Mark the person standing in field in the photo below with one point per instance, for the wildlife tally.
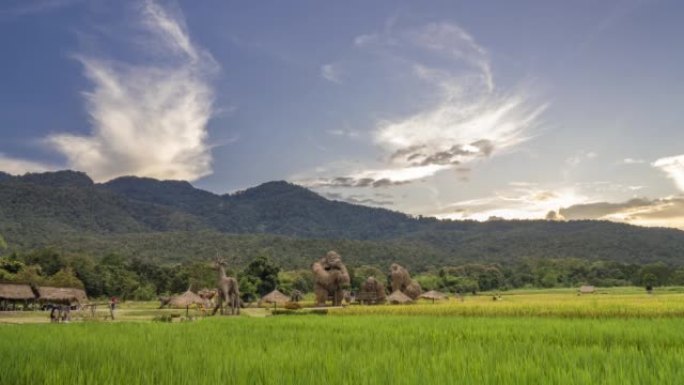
(112, 306)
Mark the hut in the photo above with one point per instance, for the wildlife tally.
(433, 295)
(586, 289)
(186, 300)
(275, 297)
(62, 295)
(13, 293)
(399, 298)
(208, 295)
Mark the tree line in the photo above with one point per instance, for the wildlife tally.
(138, 279)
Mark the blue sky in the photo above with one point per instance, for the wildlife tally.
(527, 109)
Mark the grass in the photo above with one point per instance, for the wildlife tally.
(347, 350)
(530, 304)
(618, 336)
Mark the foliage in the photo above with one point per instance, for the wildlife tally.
(64, 278)
(534, 303)
(248, 287)
(263, 273)
(361, 273)
(172, 222)
(389, 350)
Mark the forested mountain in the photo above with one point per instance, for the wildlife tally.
(174, 221)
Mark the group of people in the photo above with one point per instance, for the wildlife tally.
(60, 313)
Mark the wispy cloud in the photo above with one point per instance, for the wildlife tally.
(147, 120)
(332, 73)
(633, 161)
(665, 212)
(345, 133)
(523, 202)
(580, 157)
(470, 119)
(673, 166)
(25, 8)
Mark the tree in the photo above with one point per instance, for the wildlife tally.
(649, 280)
(48, 259)
(145, 292)
(3, 244)
(65, 278)
(30, 274)
(361, 274)
(428, 281)
(11, 265)
(85, 269)
(265, 271)
(658, 274)
(248, 287)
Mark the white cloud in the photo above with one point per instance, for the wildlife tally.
(467, 120)
(663, 212)
(580, 157)
(633, 161)
(346, 133)
(332, 73)
(674, 168)
(147, 120)
(450, 39)
(518, 203)
(16, 166)
(24, 8)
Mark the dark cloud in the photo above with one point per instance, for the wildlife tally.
(359, 199)
(347, 181)
(455, 155)
(632, 210)
(600, 209)
(407, 153)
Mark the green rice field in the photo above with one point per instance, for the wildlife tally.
(411, 344)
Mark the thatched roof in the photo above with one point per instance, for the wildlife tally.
(61, 294)
(399, 298)
(186, 299)
(14, 291)
(275, 297)
(432, 294)
(587, 289)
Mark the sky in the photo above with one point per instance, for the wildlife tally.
(456, 109)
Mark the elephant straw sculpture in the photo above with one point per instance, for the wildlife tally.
(228, 291)
(330, 279)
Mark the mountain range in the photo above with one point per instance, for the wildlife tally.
(174, 221)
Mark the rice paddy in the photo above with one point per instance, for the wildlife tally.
(638, 339)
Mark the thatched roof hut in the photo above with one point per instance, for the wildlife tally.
(275, 297)
(61, 294)
(587, 289)
(397, 297)
(16, 292)
(186, 299)
(433, 295)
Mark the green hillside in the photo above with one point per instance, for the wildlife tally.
(174, 221)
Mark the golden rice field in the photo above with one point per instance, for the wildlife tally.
(534, 304)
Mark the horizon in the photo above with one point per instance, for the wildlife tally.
(450, 110)
(234, 192)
